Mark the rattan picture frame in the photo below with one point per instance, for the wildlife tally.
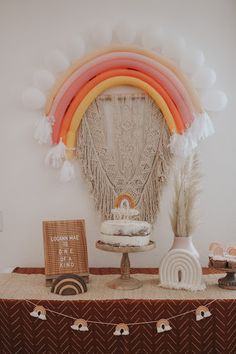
(65, 248)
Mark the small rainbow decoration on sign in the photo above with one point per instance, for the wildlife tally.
(160, 73)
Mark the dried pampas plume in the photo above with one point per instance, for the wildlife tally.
(183, 216)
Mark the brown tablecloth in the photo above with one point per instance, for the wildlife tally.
(21, 333)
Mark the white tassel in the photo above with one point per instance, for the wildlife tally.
(43, 130)
(56, 155)
(182, 144)
(202, 127)
(67, 172)
(176, 144)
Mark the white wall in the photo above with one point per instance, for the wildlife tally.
(29, 193)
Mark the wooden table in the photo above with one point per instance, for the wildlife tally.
(125, 281)
(22, 333)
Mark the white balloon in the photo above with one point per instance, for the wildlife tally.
(44, 79)
(214, 100)
(152, 38)
(33, 98)
(204, 78)
(76, 48)
(57, 61)
(125, 32)
(191, 60)
(101, 35)
(174, 47)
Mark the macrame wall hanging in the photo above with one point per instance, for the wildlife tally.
(120, 156)
(123, 144)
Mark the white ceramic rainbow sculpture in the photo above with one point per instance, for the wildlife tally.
(180, 269)
(164, 68)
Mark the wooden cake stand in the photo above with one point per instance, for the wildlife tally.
(229, 281)
(125, 281)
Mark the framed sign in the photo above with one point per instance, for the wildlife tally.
(65, 248)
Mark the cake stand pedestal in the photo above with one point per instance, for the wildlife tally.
(229, 281)
(125, 281)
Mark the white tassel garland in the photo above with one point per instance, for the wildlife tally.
(67, 172)
(56, 155)
(43, 130)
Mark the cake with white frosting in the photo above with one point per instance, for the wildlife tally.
(122, 230)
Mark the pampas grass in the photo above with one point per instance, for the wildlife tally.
(183, 216)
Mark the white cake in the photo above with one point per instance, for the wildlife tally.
(123, 231)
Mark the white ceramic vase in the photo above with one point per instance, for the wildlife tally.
(185, 243)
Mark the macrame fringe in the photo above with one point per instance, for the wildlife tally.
(99, 185)
(149, 202)
(184, 144)
(67, 172)
(56, 155)
(180, 286)
(43, 130)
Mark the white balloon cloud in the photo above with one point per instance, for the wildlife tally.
(174, 47)
(125, 32)
(204, 78)
(101, 35)
(76, 48)
(192, 60)
(152, 38)
(43, 79)
(33, 98)
(57, 61)
(214, 100)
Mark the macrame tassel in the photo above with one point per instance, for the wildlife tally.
(43, 130)
(67, 172)
(56, 155)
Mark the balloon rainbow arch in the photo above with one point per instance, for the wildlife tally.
(164, 80)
